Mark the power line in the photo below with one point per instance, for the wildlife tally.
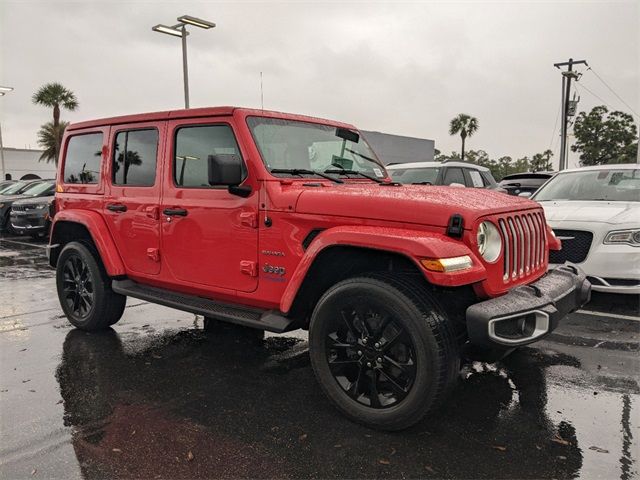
(555, 127)
(613, 91)
(582, 86)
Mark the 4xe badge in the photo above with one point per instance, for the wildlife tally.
(274, 270)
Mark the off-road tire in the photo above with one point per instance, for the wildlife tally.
(107, 306)
(436, 349)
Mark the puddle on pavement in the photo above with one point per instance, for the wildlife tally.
(137, 403)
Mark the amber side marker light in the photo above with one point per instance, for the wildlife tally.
(447, 265)
(59, 188)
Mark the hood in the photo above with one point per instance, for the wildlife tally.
(592, 211)
(35, 200)
(11, 198)
(419, 204)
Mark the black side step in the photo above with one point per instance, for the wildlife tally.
(270, 320)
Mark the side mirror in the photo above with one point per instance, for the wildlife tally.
(524, 194)
(225, 170)
(457, 185)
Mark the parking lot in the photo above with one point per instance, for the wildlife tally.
(157, 397)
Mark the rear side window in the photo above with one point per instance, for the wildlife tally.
(84, 154)
(453, 175)
(134, 158)
(192, 149)
(476, 178)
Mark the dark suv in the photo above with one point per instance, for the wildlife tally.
(32, 215)
(35, 189)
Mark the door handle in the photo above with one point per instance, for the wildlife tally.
(180, 212)
(116, 207)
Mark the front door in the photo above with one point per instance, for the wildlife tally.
(131, 204)
(209, 236)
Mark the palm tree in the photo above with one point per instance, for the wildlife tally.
(56, 96)
(50, 138)
(465, 125)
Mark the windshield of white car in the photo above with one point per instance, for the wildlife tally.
(615, 185)
(415, 175)
(302, 146)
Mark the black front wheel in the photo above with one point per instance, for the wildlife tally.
(383, 350)
(84, 289)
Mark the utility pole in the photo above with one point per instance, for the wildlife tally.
(567, 76)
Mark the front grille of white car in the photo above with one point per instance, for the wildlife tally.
(524, 237)
(575, 246)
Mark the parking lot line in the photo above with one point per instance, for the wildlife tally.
(609, 315)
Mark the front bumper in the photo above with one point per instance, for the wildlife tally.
(527, 313)
(29, 222)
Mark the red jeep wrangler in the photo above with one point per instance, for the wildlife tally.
(278, 222)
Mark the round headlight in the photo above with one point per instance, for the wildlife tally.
(489, 241)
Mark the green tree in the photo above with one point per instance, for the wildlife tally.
(505, 167)
(541, 162)
(50, 138)
(521, 165)
(55, 96)
(464, 125)
(603, 137)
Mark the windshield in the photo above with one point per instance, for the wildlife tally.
(415, 175)
(295, 145)
(38, 189)
(611, 184)
(14, 189)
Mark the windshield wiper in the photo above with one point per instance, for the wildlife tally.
(422, 183)
(344, 171)
(305, 171)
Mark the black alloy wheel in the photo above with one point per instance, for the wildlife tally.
(371, 355)
(84, 288)
(383, 349)
(77, 286)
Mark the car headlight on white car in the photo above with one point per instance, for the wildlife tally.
(629, 237)
(489, 241)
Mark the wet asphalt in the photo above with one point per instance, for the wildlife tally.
(157, 397)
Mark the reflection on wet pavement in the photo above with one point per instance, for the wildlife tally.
(157, 397)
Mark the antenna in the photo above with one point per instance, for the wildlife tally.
(261, 94)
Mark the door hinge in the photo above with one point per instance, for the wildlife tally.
(248, 268)
(153, 254)
(249, 219)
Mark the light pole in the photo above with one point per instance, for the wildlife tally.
(180, 30)
(3, 91)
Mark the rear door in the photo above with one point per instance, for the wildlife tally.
(209, 236)
(453, 175)
(474, 178)
(131, 205)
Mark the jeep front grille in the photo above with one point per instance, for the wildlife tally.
(524, 240)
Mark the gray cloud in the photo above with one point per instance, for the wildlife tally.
(404, 68)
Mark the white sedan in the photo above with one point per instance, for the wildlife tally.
(595, 212)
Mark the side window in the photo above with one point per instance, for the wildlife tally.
(476, 178)
(192, 149)
(453, 175)
(82, 162)
(134, 158)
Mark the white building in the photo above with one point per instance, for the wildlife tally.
(23, 163)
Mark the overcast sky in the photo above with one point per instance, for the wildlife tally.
(403, 68)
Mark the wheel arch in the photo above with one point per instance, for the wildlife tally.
(89, 227)
(341, 252)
